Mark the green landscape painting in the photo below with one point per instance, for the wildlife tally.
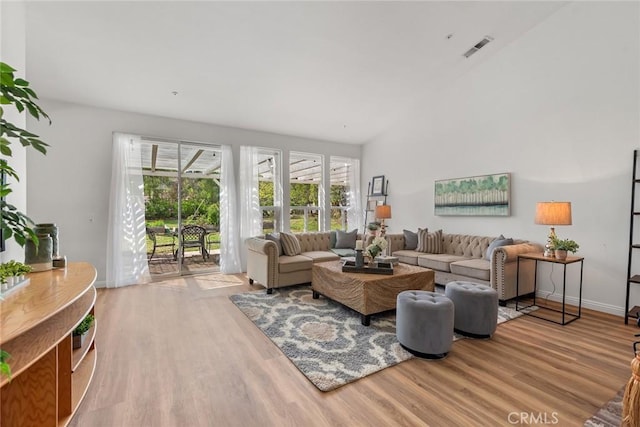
(486, 195)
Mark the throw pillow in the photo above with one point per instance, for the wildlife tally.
(410, 240)
(430, 243)
(290, 244)
(423, 234)
(500, 241)
(275, 237)
(332, 239)
(346, 240)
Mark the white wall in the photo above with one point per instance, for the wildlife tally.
(12, 52)
(559, 110)
(70, 186)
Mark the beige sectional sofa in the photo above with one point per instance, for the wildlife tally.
(464, 257)
(272, 269)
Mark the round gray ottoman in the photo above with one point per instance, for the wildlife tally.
(476, 313)
(424, 323)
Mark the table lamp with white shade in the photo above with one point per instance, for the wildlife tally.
(383, 212)
(552, 214)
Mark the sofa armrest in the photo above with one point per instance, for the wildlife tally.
(260, 245)
(262, 261)
(504, 270)
(510, 253)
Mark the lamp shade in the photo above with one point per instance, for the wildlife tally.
(553, 213)
(383, 211)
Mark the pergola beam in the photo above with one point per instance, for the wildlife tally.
(154, 157)
(193, 160)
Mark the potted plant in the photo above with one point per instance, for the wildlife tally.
(17, 93)
(562, 246)
(81, 330)
(373, 226)
(12, 274)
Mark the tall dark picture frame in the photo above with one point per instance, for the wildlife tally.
(377, 186)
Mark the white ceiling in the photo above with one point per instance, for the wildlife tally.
(339, 71)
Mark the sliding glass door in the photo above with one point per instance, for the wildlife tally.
(181, 191)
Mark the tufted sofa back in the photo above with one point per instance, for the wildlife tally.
(314, 241)
(466, 245)
(454, 244)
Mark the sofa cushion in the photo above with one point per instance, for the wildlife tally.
(332, 239)
(344, 252)
(289, 264)
(346, 240)
(438, 262)
(275, 237)
(290, 244)
(410, 239)
(429, 242)
(321, 256)
(407, 257)
(500, 241)
(477, 268)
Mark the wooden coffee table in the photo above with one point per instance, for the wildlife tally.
(368, 293)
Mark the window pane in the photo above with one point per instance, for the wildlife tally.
(306, 195)
(345, 194)
(270, 189)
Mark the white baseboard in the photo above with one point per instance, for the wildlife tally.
(593, 305)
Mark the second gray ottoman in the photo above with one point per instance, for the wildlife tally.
(424, 323)
(476, 313)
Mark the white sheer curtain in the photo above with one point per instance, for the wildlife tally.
(250, 214)
(355, 213)
(126, 238)
(278, 192)
(230, 245)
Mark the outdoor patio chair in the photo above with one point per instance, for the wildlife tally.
(152, 236)
(193, 237)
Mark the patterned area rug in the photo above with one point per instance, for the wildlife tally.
(610, 415)
(326, 340)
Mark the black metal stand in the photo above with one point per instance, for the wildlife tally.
(566, 316)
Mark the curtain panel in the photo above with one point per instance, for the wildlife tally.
(250, 214)
(126, 236)
(230, 243)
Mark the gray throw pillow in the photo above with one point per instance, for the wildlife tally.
(332, 239)
(410, 240)
(500, 241)
(346, 240)
(275, 237)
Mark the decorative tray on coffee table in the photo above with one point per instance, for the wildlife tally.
(374, 268)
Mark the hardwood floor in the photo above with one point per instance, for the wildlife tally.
(179, 353)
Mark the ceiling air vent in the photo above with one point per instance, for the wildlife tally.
(478, 46)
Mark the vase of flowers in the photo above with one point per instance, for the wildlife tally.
(378, 244)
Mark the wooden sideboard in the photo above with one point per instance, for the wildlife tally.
(49, 377)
